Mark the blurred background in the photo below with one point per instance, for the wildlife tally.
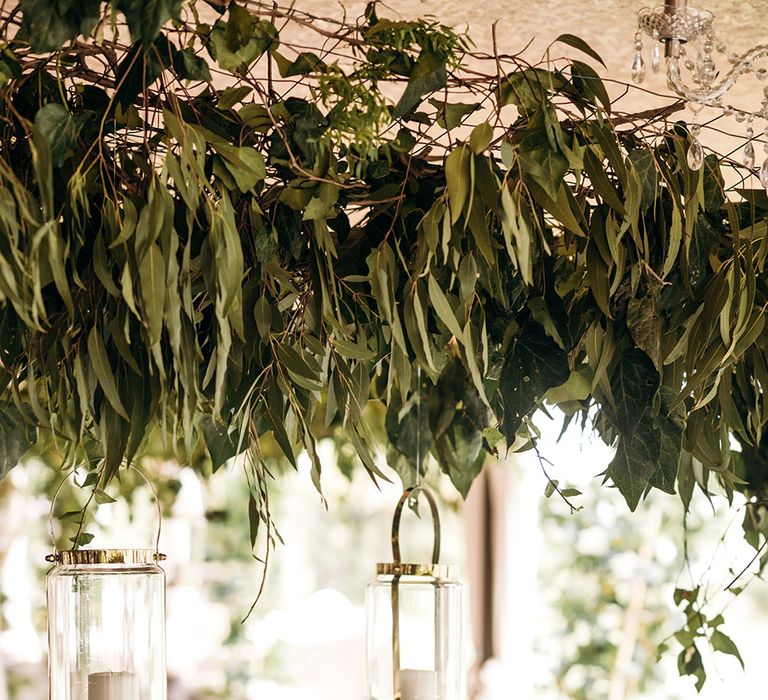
(578, 602)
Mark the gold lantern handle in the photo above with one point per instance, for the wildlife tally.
(407, 494)
(106, 556)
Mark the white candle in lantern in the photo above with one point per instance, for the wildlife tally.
(120, 685)
(417, 684)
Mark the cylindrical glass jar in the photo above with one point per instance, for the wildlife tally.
(414, 633)
(106, 625)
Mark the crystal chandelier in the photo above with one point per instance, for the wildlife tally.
(690, 47)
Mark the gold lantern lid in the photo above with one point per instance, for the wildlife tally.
(77, 557)
(432, 570)
(100, 557)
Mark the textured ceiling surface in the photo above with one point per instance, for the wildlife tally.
(609, 27)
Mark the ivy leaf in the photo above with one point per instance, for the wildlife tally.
(189, 66)
(461, 455)
(82, 539)
(633, 465)
(10, 68)
(671, 424)
(221, 445)
(60, 129)
(305, 63)
(16, 437)
(528, 89)
(644, 324)
(533, 365)
(49, 24)
(689, 663)
(101, 497)
(539, 154)
(644, 164)
(723, 643)
(140, 68)
(634, 388)
(240, 40)
(428, 75)
(146, 17)
(452, 114)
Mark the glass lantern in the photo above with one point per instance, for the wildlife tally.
(414, 624)
(106, 625)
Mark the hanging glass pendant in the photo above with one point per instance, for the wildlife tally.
(764, 174)
(414, 624)
(638, 69)
(656, 57)
(749, 150)
(749, 156)
(695, 155)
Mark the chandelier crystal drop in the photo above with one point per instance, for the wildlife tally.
(695, 155)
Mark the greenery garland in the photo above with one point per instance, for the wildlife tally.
(215, 240)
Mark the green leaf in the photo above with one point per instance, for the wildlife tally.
(49, 24)
(82, 539)
(723, 643)
(71, 516)
(480, 138)
(649, 445)
(230, 96)
(189, 66)
(581, 45)
(16, 436)
(240, 40)
(529, 89)
(305, 63)
(533, 364)
(59, 128)
(443, 307)
(153, 290)
(457, 180)
(589, 83)
(547, 167)
(254, 519)
(451, 114)
(101, 497)
(644, 324)
(577, 387)
(221, 445)
(10, 68)
(146, 17)
(428, 75)
(263, 316)
(99, 360)
(689, 663)
(670, 423)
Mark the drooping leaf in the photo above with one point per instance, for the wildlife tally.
(146, 17)
(16, 436)
(533, 364)
(428, 75)
(578, 43)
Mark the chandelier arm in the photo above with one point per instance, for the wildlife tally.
(710, 95)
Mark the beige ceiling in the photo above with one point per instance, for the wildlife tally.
(609, 27)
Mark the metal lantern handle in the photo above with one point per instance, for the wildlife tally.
(407, 494)
(56, 554)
